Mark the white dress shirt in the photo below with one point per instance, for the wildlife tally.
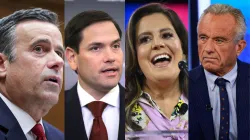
(24, 119)
(110, 115)
(214, 95)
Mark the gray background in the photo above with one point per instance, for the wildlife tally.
(113, 8)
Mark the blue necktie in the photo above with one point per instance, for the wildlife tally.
(224, 109)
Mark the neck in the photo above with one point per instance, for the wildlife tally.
(162, 90)
(97, 92)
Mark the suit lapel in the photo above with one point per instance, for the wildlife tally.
(242, 100)
(74, 125)
(121, 134)
(201, 103)
(9, 125)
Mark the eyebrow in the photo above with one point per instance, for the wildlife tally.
(99, 43)
(45, 40)
(161, 30)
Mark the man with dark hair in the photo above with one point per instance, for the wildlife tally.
(31, 70)
(95, 105)
(219, 87)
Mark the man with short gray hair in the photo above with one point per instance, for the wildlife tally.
(31, 72)
(218, 88)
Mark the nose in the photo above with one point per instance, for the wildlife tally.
(157, 44)
(56, 62)
(109, 55)
(209, 46)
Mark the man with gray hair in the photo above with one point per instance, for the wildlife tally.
(218, 88)
(31, 72)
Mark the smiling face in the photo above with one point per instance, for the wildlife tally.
(158, 48)
(100, 58)
(35, 76)
(217, 47)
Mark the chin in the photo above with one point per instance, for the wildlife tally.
(51, 97)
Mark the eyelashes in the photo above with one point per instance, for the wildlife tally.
(144, 39)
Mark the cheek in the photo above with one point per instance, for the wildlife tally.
(142, 52)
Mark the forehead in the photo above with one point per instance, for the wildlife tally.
(33, 29)
(217, 24)
(153, 22)
(100, 32)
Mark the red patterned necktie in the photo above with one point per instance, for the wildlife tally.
(99, 131)
(38, 131)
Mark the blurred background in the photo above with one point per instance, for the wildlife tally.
(7, 7)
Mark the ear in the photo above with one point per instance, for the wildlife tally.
(3, 65)
(71, 57)
(240, 46)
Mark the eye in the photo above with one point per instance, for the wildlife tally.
(144, 39)
(203, 38)
(116, 46)
(59, 53)
(39, 49)
(95, 48)
(219, 41)
(167, 35)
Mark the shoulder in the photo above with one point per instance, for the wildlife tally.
(52, 131)
(69, 94)
(195, 73)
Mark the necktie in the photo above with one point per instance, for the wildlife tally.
(38, 131)
(224, 109)
(98, 131)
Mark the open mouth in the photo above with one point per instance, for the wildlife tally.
(53, 79)
(110, 70)
(160, 59)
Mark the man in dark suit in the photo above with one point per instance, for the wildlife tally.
(31, 71)
(219, 88)
(94, 107)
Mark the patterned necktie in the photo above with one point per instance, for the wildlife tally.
(99, 131)
(224, 109)
(38, 131)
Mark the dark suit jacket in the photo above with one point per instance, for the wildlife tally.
(74, 125)
(11, 130)
(201, 125)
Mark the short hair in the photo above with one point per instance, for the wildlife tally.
(134, 78)
(221, 9)
(8, 26)
(74, 28)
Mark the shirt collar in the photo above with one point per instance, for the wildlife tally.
(111, 98)
(230, 76)
(24, 119)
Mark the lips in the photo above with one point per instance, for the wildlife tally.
(110, 71)
(159, 58)
(53, 79)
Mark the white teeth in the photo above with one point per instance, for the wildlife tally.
(161, 56)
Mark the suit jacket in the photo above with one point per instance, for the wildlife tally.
(11, 130)
(74, 125)
(201, 125)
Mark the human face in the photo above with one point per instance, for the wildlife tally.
(35, 76)
(155, 40)
(217, 47)
(99, 62)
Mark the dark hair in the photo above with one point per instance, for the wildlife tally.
(134, 78)
(73, 30)
(8, 25)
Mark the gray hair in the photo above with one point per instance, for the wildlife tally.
(8, 25)
(220, 9)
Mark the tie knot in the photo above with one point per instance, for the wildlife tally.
(220, 82)
(96, 108)
(38, 130)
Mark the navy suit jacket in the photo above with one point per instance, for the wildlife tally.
(74, 125)
(11, 130)
(201, 125)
